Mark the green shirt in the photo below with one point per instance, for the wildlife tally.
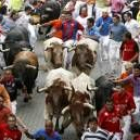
(16, 5)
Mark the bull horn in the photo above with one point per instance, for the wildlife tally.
(92, 89)
(89, 106)
(41, 89)
(71, 49)
(2, 50)
(30, 66)
(89, 65)
(68, 88)
(49, 9)
(26, 49)
(8, 67)
(65, 109)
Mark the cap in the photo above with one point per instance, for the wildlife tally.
(128, 65)
(105, 10)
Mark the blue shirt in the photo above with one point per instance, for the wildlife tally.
(104, 23)
(93, 31)
(117, 31)
(43, 133)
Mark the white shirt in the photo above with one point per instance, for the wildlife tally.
(133, 27)
(23, 19)
(32, 34)
(82, 21)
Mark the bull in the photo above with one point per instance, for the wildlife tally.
(85, 55)
(53, 52)
(58, 91)
(17, 39)
(80, 108)
(104, 89)
(25, 68)
(50, 10)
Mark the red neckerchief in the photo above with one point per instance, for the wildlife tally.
(50, 133)
(105, 17)
(83, 16)
(9, 80)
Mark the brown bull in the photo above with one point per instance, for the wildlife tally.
(83, 59)
(55, 54)
(57, 98)
(77, 112)
(25, 68)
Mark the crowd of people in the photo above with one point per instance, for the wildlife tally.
(117, 30)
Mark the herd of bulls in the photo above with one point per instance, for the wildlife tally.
(70, 92)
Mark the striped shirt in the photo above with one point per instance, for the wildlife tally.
(100, 134)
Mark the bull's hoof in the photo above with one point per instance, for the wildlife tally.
(29, 97)
(61, 131)
(25, 100)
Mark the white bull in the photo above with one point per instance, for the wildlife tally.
(80, 108)
(86, 54)
(58, 92)
(82, 83)
(53, 51)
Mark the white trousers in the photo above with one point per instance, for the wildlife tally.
(14, 107)
(114, 56)
(104, 43)
(136, 114)
(68, 55)
(127, 122)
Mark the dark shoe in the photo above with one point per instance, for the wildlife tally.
(25, 99)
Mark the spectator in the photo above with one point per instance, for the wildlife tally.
(109, 120)
(70, 27)
(11, 85)
(7, 24)
(135, 130)
(134, 78)
(24, 16)
(129, 50)
(16, 5)
(4, 111)
(117, 6)
(83, 16)
(56, 24)
(117, 30)
(132, 25)
(91, 30)
(5, 95)
(70, 6)
(94, 131)
(125, 106)
(9, 130)
(103, 23)
(46, 134)
(128, 71)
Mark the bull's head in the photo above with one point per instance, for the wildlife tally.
(57, 95)
(19, 69)
(80, 112)
(56, 52)
(83, 57)
(58, 87)
(49, 11)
